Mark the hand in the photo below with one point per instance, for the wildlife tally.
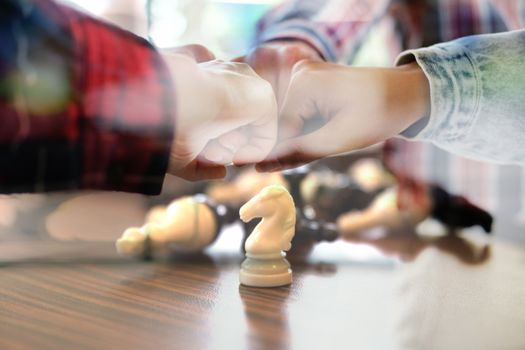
(274, 61)
(333, 109)
(225, 114)
(197, 52)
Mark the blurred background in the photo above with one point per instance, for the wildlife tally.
(228, 28)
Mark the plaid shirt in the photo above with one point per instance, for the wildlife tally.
(83, 104)
(337, 28)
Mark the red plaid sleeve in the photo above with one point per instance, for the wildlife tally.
(87, 105)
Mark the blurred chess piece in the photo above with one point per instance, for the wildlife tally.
(456, 212)
(402, 208)
(370, 175)
(245, 186)
(309, 233)
(265, 264)
(188, 224)
(385, 212)
(328, 194)
(294, 179)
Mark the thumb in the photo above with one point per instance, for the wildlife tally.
(303, 149)
(261, 136)
(300, 104)
(297, 107)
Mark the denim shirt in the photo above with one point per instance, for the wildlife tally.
(477, 88)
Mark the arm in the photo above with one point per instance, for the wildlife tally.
(83, 104)
(477, 96)
(471, 89)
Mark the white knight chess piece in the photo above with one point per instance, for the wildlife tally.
(265, 265)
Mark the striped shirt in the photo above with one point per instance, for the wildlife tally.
(337, 28)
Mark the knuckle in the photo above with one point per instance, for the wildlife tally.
(304, 66)
(300, 78)
(266, 86)
(292, 54)
(264, 54)
(201, 51)
(242, 66)
(264, 97)
(245, 69)
(195, 47)
(260, 57)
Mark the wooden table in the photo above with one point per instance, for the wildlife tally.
(390, 292)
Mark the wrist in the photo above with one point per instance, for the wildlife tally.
(195, 100)
(409, 94)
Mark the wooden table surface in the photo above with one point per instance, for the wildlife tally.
(387, 292)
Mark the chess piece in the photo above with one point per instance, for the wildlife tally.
(370, 175)
(415, 203)
(453, 211)
(294, 178)
(328, 194)
(457, 212)
(265, 264)
(188, 224)
(246, 185)
(308, 232)
(385, 211)
(315, 231)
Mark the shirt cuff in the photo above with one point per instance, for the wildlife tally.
(455, 91)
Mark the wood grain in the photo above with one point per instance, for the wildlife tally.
(346, 295)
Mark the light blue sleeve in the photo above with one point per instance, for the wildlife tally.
(477, 87)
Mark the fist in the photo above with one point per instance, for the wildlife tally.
(274, 62)
(226, 114)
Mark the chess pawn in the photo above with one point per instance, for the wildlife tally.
(265, 264)
(188, 224)
(384, 211)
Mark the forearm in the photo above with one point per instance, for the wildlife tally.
(477, 93)
(86, 105)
